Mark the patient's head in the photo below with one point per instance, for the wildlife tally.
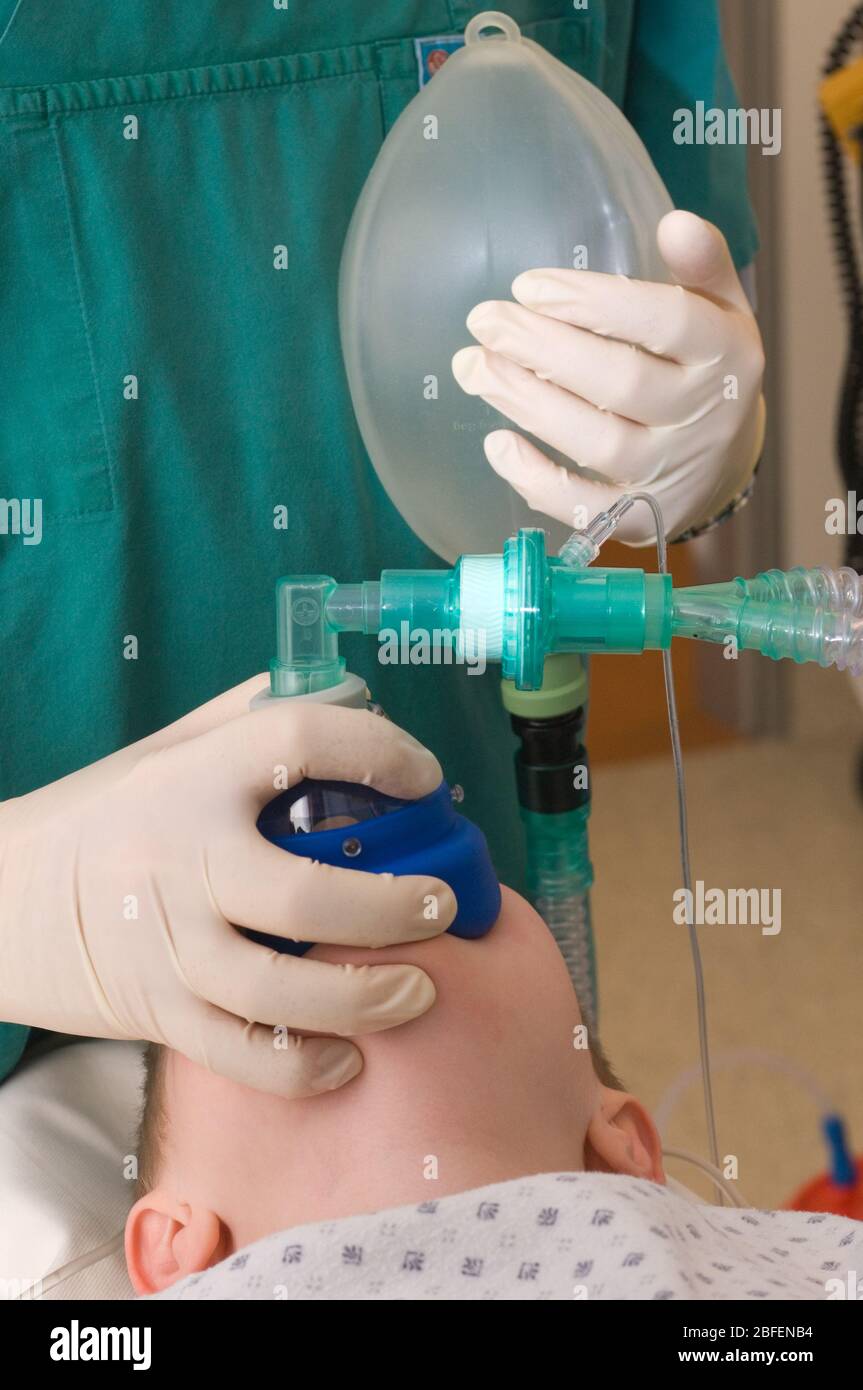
(494, 1082)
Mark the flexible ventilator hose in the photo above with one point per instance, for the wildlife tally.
(559, 874)
(800, 614)
(835, 598)
(837, 591)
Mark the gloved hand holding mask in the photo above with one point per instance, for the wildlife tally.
(122, 884)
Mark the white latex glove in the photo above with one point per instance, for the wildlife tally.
(648, 386)
(119, 883)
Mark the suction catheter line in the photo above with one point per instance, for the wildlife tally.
(718, 1178)
(63, 1272)
(683, 822)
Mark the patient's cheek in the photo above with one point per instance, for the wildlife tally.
(511, 981)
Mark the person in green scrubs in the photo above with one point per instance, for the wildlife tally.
(176, 187)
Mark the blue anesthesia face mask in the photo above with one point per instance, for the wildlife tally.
(357, 827)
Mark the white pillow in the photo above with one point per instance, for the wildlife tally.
(68, 1121)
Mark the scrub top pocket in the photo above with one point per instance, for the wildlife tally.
(178, 235)
(52, 440)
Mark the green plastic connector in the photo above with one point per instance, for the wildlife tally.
(525, 606)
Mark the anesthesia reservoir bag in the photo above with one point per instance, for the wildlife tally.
(505, 161)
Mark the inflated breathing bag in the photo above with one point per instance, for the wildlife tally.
(506, 161)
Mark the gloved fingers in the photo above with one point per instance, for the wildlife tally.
(247, 980)
(596, 439)
(256, 884)
(272, 748)
(666, 320)
(560, 492)
(268, 1059)
(697, 254)
(612, 375)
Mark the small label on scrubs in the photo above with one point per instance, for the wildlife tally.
(433, 53)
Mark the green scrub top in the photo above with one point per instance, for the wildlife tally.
(167, 390)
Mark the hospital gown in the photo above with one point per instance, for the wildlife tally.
(573, 1236)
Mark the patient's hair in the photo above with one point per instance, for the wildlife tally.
(154, 1117)
(605, 1073)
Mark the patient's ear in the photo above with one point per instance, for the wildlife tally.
(167, 1239)
(622, 1138)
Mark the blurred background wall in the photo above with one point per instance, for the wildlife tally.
(777, 49)
(771, 750)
